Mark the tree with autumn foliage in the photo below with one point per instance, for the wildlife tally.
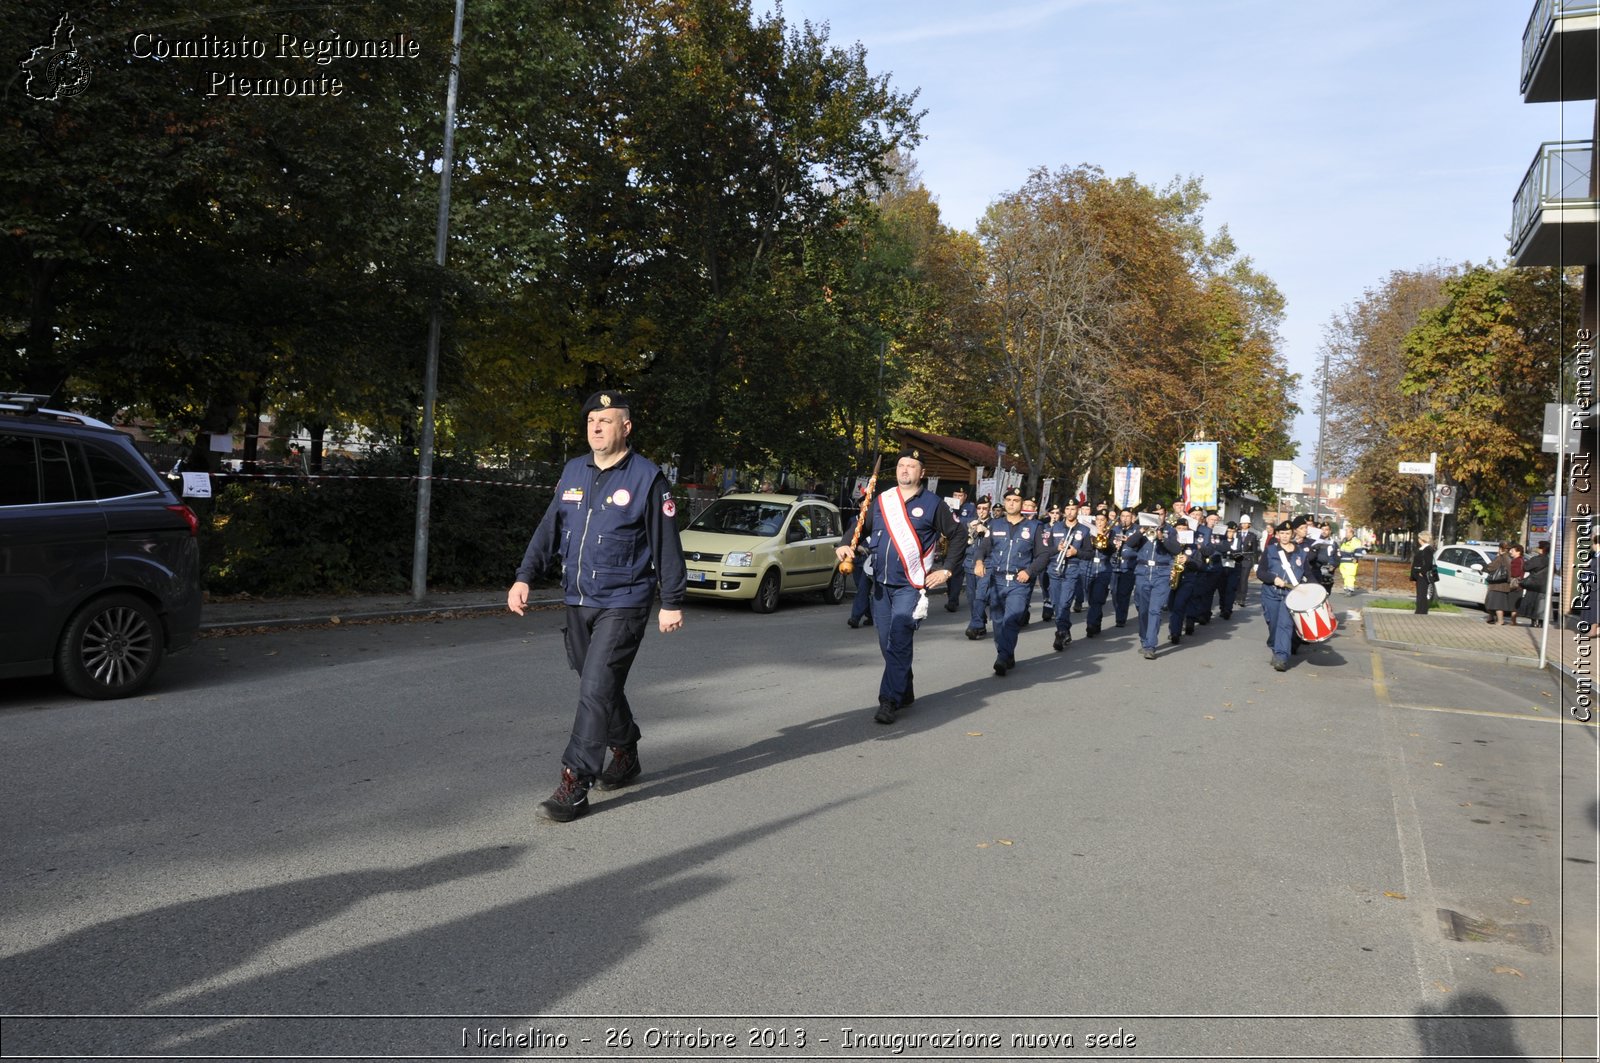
(1368, 409)
(1482, 366)
(1124, 330)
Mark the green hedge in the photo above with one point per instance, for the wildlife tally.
(344, 535)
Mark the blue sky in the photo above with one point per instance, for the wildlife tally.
(1338, 141)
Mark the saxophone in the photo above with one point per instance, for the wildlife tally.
(1177, 567)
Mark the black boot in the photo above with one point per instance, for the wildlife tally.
(623, 769)
(570, 800)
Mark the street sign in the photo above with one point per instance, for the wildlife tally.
(1283, 475)
(1556, 416)
(1444, 498)
(1417, 468)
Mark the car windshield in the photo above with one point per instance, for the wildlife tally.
(741, 516)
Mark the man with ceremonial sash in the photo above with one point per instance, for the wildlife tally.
(1281, 569)
(903, 526)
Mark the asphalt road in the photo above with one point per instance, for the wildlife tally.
(323, 842)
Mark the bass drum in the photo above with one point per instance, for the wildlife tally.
(1308, 608)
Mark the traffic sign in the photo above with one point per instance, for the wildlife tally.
(1417, 468)
(1444, 498)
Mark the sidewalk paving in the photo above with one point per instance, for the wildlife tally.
(1468, 634)
(244, 613)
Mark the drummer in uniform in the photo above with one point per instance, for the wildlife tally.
(1281, 569)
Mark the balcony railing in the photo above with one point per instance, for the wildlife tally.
(1559, 177)
(1540, 25)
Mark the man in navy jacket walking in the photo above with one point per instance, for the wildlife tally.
(611, 529)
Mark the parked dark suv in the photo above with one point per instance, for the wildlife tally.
(99, 564)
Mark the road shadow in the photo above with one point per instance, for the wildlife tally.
(520, 958)
(1474, 1027)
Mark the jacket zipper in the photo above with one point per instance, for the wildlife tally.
(588, 512)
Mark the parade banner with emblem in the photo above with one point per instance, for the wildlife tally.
(1200, 474)
(1126, 485)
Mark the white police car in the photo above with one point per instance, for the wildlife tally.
(1461, 567)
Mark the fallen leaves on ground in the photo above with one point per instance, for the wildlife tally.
(1395, 894)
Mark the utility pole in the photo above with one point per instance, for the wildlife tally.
(1322, 430)
(430, 380)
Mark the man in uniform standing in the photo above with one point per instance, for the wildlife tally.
(904, 524)
(1122, 567)
(611, 528)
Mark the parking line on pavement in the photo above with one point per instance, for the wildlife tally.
(1491, 712)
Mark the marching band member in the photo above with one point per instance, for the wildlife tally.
(1011, 557)
(1124, 562)
(1068, 544)
(1156, 547)
(1283, 566)
(1102, 555)
(978, 625)
(1191, 584)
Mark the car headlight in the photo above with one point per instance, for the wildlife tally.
(740, 559)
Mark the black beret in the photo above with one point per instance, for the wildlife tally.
(909, 452)
(1301, 519)
(983, 500)
(1011, 491)
(1233, 524)
(605, 400)
(1284, 525)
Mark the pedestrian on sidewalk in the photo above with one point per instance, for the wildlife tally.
(1500, 599)
(1423, 574)
(611, 528)
(1535, 574)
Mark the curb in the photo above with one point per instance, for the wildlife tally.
(246, 626)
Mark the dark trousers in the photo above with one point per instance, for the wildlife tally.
(1099, 584)
(1010, 604)
(1183, 606)
(863, 599)
(1066, 587)
(1121, 595)
(1423, 589)
(980, 604)
(953, 588)
(601, 646)
(1152, 585)
(1229, 590)
(1279, 625)
(891, 615)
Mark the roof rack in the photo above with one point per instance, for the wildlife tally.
(30, 405)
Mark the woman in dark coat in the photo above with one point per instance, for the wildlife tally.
(1423, 573)
(1500, 600)
(1535, 573)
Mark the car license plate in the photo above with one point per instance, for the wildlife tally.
(696, 577)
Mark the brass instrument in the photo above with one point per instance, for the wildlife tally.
(848, 565)
(1102, 539)
(1177, 567)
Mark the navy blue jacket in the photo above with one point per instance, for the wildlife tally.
(613, 533)
(1158, 545)
(930, 519)
(1010, 548)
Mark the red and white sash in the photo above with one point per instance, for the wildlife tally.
(898, 524)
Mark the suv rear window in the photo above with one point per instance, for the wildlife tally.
(114, 478)
(19, 471)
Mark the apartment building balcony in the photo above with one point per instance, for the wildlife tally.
(1555, 218)
(1559, 51)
